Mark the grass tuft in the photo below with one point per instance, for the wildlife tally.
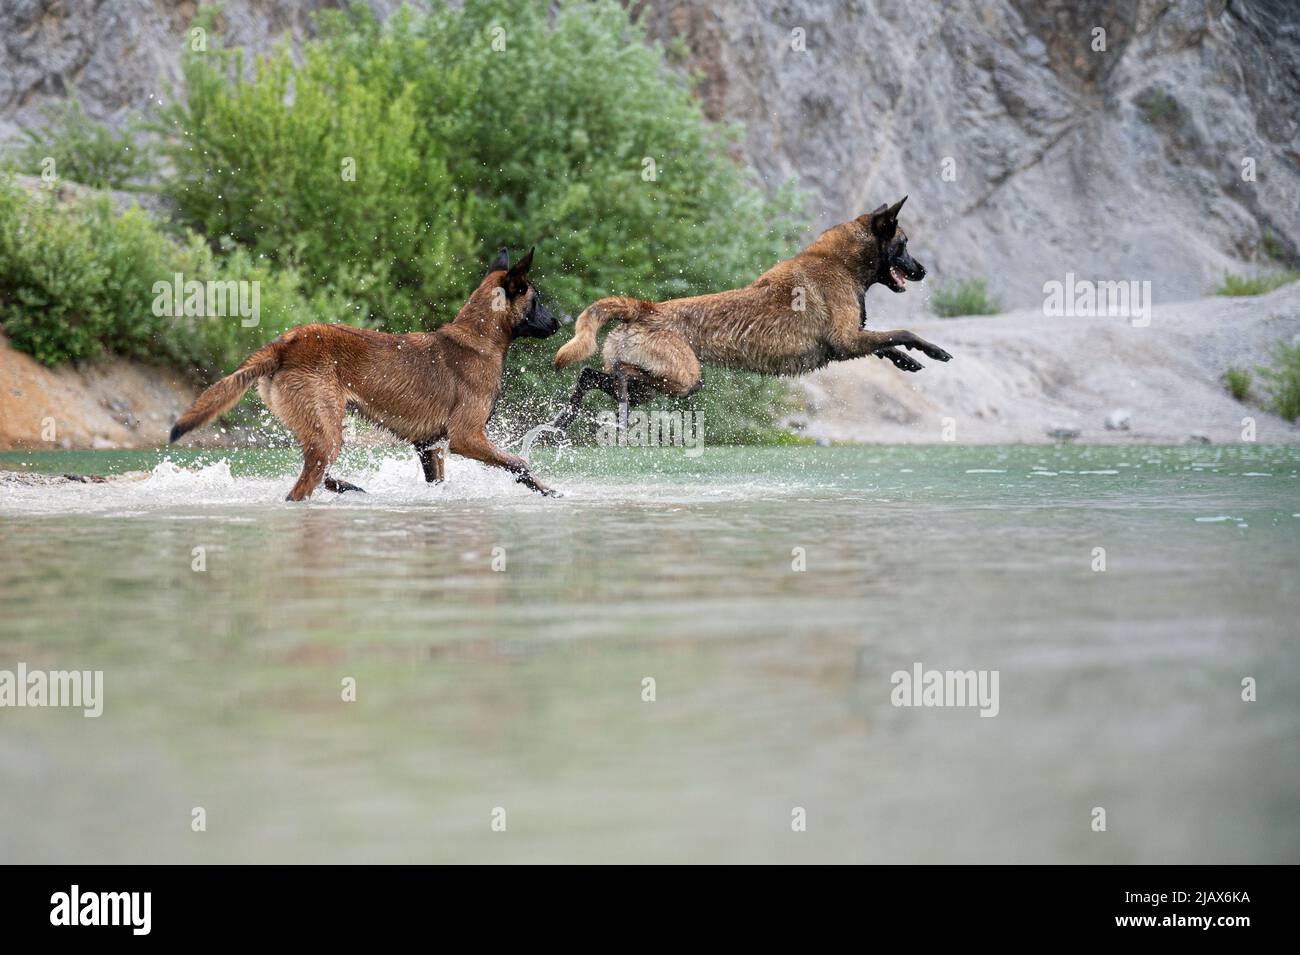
(1282, 381)
(968, 297)
(1238, 285)
(1238, 380)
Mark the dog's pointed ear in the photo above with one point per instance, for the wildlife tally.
(884, 222)
(500, 263)
(517, 277)
(523, 265)
(866, 217)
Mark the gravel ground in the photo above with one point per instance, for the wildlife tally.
(1016, 377)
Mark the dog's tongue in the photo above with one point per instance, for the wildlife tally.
(897, 276)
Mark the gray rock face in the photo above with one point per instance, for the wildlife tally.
(1167, 156)
(122, 55)
(1027, 154)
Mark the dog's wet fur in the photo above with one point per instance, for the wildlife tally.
(801, 314)
(429, 388)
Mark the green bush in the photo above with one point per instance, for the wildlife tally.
(1283, 381)
(84, 151)
(1238, 383)
(77, 280)
(1273, 248)
(459, 147)
(969, 297)
(1255, 284)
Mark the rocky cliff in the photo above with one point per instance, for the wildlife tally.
(1027, 151)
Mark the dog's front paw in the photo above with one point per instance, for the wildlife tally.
(902, 361)
(930, 351)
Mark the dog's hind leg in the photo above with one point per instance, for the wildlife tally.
(432, 460)
(620, 383)
(631, 387)
(317, 421)
(666, 362)
(670, 367)
(340, 487)
(589, 378)
(317, 456)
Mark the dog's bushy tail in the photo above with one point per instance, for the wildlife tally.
(225, 394)
(583, 342)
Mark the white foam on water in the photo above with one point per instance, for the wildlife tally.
(986, 471)
(390, 482)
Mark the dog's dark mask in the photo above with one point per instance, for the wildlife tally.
(538, 321)
(535, 319)
(894, 265)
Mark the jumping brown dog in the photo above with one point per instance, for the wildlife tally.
(424, 387)
(801, 314)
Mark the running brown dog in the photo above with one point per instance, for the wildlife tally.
(801, 314)
(424, 387)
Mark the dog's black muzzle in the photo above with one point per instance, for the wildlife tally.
(912, 270)
(538, 322)
(902, 270)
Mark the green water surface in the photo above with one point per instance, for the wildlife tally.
(499, 643)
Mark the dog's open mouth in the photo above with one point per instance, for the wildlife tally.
(897, 280)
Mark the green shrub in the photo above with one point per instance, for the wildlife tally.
(77, 280)
(458, 148)
(1238, 383)
(51, 277)
(1255, 284)
(968, 297)
(1283, 381)
(84, 151)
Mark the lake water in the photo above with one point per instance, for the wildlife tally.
(521, 688)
